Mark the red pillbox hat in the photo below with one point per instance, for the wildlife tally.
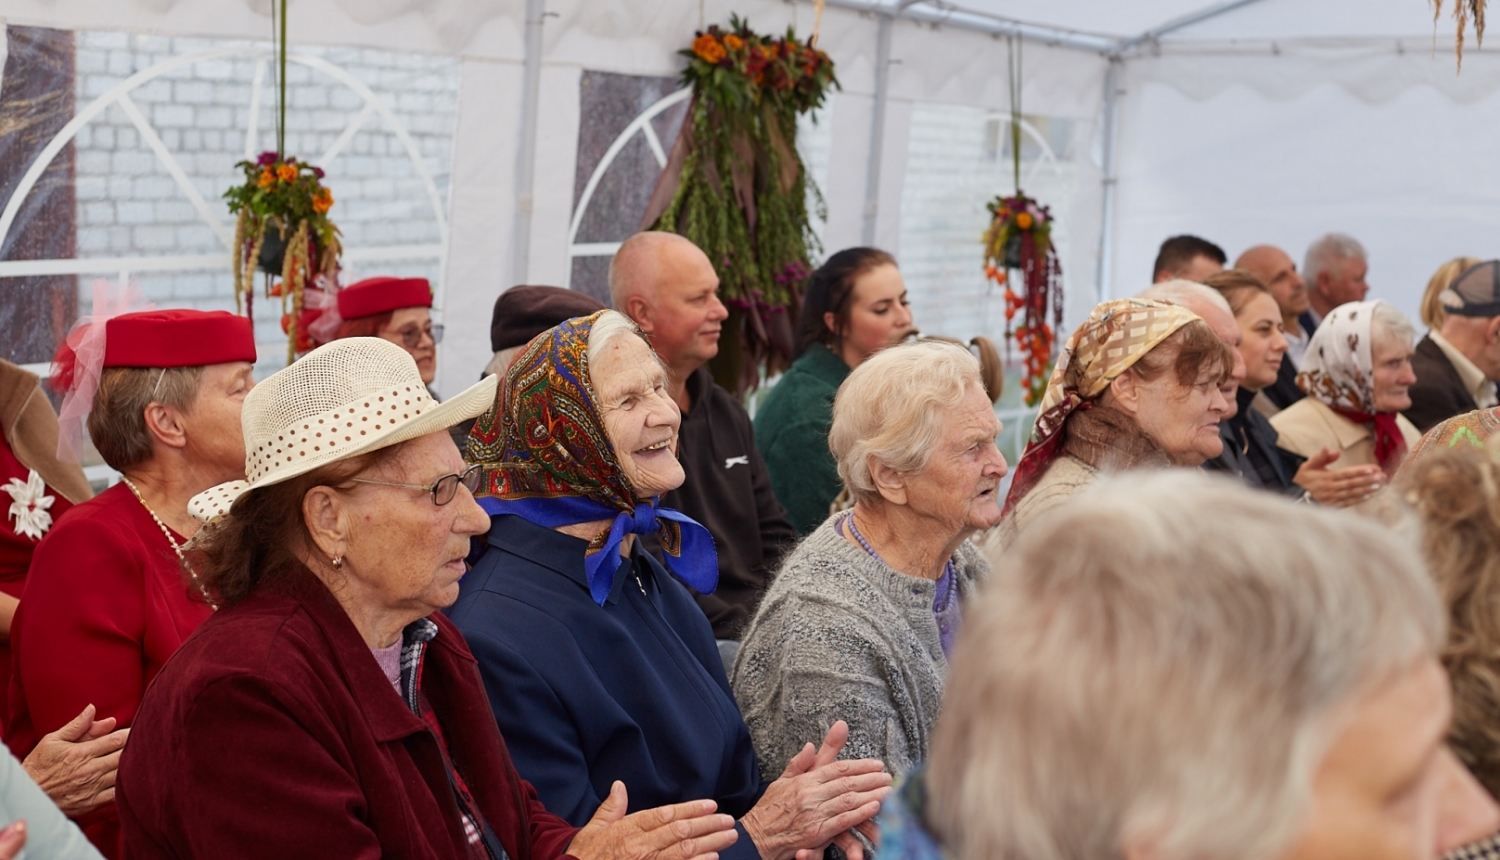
(378, 295)
(178, 338)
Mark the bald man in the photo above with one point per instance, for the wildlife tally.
(664, 283)
(1279, 273)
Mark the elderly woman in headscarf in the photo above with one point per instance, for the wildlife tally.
(1137, 386)
(329, 706)
(600, 666)
(860, 619)
(1357, 375)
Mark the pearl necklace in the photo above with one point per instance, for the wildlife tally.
(176, 547)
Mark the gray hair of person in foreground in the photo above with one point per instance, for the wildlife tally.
(1163, 663)
(894, 407)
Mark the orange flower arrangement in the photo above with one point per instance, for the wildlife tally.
(709, 49)
(1020, 238)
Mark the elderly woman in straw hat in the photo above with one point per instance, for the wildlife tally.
(1138, 385)
(329, 704)
(600, 666)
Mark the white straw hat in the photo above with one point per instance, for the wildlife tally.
(348, 397)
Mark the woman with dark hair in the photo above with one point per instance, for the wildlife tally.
(855, 306)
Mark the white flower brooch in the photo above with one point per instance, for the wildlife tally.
(29, 505)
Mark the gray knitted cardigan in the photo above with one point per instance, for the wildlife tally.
(840, 635)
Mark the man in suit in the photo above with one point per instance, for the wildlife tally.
(1458, 364)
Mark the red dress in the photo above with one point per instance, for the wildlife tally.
(105, 605)
(16, 549)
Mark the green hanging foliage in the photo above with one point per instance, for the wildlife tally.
(736, 186)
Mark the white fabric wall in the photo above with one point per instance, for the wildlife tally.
(1390, 148)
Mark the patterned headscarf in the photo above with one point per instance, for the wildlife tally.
(1339, 371)
(1113, 338)
(547, 458)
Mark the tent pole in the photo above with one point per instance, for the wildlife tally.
(1103, 290)
(877, 128)
(531, 88)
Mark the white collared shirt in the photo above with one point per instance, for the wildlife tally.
(1482, 389)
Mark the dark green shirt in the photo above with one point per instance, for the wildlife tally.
(791, 431)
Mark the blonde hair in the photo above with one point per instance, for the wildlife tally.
(1432, 304)
(1455, 494)
(117, 419)
(1163, 662)
(893, 408)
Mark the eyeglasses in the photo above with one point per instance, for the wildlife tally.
(411, 336)
(443, 489)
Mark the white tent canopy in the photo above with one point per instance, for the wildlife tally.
(1244, 122)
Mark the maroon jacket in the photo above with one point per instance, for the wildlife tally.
(274, 733)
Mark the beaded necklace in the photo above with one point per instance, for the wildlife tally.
(944, 597)
(176, 547)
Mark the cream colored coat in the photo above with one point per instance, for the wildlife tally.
(1308, 426)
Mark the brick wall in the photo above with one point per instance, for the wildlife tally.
(129, 205)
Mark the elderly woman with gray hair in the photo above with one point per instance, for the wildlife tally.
(1269, 689)
(859, 622)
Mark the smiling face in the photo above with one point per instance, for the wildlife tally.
(958, 488)
(639, 416)
(1393, 376)
(1280, 276)
(879, 315)
(405, 555)
(1389, 788)
(1262, 343)
(415, 325)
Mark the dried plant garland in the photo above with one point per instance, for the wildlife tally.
(1463, 12)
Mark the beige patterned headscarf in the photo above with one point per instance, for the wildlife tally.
(1114, 337)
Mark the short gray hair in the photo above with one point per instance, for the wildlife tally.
(893, 408)
(1389, 325)
(1165, 661)
(1325, 251)
(1183, 293)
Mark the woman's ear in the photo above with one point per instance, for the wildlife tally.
(890, 483)
(1124, 393)
(164, 423)
(831, 322)
(325, 513)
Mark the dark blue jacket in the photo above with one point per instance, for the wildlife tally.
(585, 695)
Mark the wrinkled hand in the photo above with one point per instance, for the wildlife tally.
(682, 831)
(76, 765)
(12, 840)
(1338, 488)
(817, 801)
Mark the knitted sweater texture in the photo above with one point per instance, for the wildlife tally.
(841, 636)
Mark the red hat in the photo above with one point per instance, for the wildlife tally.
(178, 338)
(378, 295)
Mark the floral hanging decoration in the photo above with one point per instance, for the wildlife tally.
(1019, 239)
(282, 228)
(736, 186)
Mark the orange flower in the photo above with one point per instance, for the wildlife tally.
(286, 173)
(1023, 220)
(322, 201)
(286, 323)
(708, 48)
(266, 177)
(733, 42)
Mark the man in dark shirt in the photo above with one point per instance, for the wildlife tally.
(667, 285)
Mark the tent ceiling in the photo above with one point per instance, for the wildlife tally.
(1108, 21)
